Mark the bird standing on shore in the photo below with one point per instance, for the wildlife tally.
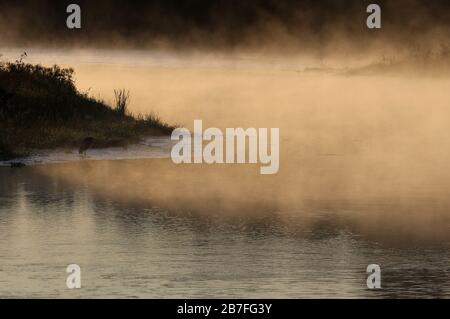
(85, 145)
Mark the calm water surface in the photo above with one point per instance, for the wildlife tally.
(136, 249)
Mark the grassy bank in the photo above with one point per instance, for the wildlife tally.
(419, 61)
(40, 107)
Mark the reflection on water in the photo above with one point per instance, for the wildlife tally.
(148, 147)
(146, 236)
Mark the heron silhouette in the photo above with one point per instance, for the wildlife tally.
(85, 145)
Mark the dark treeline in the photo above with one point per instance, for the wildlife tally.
(216, 23)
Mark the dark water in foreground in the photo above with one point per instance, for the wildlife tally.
(133, 248)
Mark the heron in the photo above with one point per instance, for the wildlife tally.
(85, 145)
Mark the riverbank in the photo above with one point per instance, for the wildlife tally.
(41, 108)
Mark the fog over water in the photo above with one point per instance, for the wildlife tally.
(364, 178)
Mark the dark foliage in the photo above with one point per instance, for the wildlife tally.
(40, 107)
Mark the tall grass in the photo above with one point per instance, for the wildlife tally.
(122, 98)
